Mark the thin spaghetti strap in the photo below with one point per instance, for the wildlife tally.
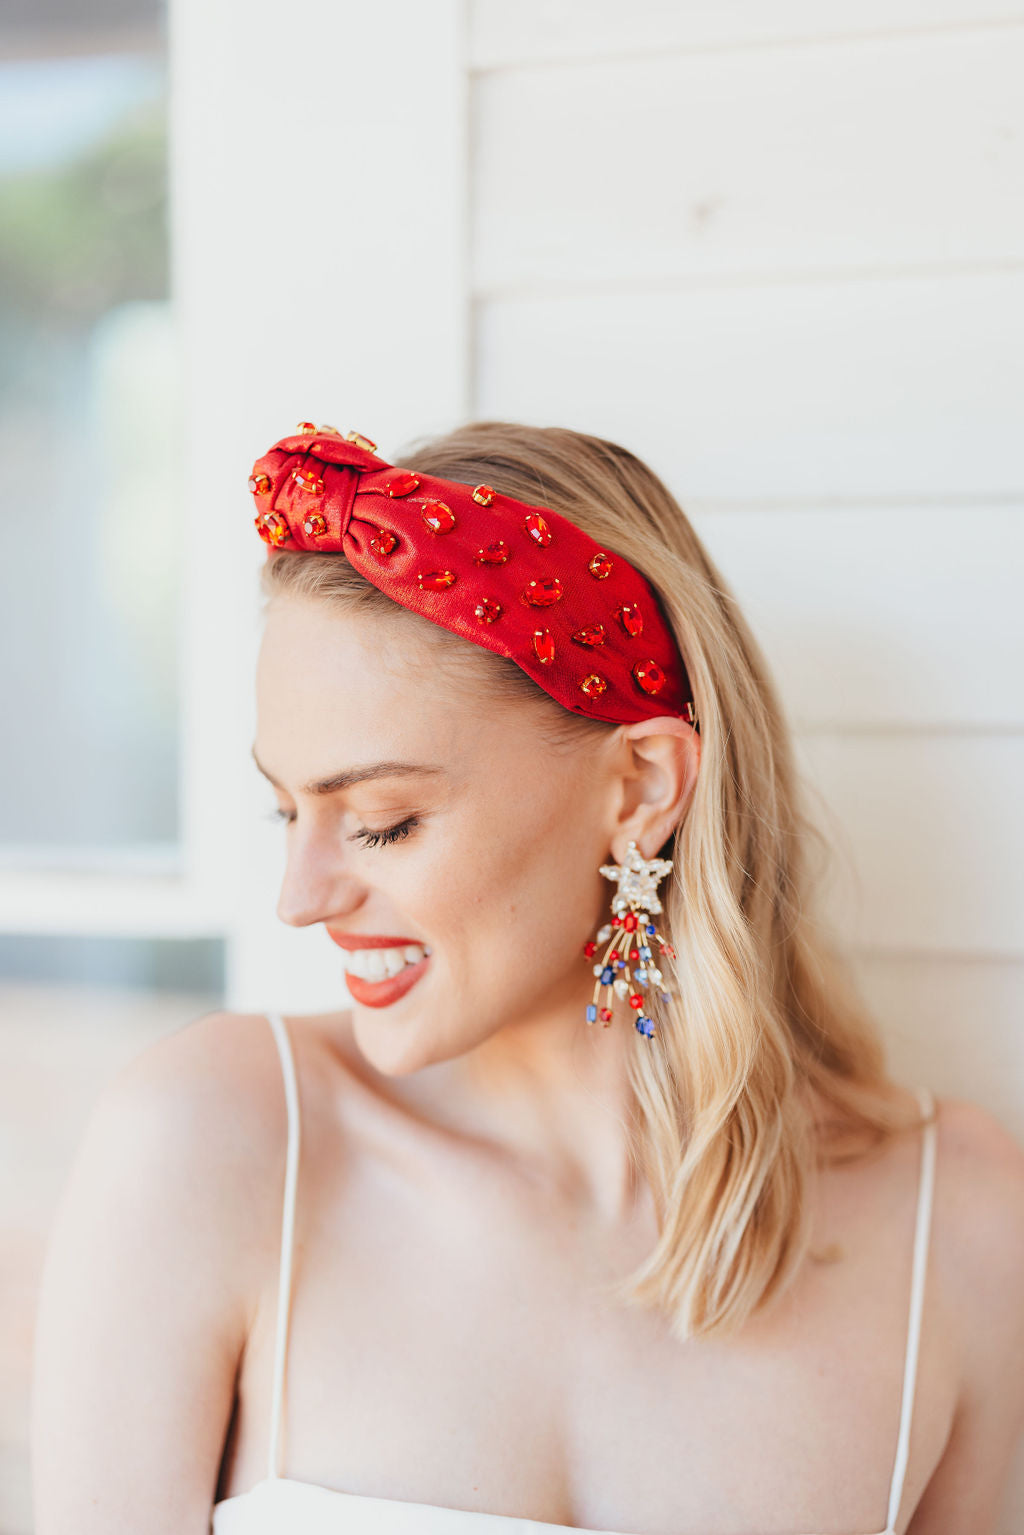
(921, 1232)
(284, 1286)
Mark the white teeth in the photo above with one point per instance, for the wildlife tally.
(382, 964)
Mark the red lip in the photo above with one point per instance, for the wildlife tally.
(383, 993)
(365, 941)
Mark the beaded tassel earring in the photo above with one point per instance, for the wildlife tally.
(628, 968)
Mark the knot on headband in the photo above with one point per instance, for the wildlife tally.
(520, 580)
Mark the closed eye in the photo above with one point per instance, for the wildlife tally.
(388, 834)
(364, 834)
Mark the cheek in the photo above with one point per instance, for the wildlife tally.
(523, 869)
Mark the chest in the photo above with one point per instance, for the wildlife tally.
(454, 1340)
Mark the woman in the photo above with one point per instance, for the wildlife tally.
(658, 1250)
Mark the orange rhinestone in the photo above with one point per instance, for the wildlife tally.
(492, 554)
(329, 431)
(650, 676)
(484, 494)
(259, 484)
(361, 441)
(402, 484)
(309, 481)
(436, 580)
(631, 619)
(487, 610)
(593, 634)
(543, 646)
(273, 529)
(315, 525)
(537, 529)
(542, 594)
(594, 685)
(306, 426)
(600, 566)
(437, 517)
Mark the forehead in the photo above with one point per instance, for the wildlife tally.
(329, 682)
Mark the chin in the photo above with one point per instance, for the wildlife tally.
(393, 1047)
(398, 1047)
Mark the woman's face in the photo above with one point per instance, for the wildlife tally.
(455, 827)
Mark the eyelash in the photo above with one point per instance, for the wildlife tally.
(369, 838)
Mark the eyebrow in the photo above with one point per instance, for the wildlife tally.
(349, 776)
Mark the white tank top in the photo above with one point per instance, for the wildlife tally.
(280, 1506)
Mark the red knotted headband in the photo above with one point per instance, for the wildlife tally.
(520, 580)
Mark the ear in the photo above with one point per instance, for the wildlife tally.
(659, 761)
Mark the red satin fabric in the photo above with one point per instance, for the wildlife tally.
(316, 490)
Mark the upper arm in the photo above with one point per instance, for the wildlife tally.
(978, 1259)
(147, 1287)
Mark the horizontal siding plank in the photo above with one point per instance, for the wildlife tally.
(957, 1026)
(883, 616)
(905, 388)
(500, 33)
(927, 836)
(819, 160)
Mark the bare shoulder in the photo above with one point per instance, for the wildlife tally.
(211, 1089)
(979, 1192)
(976, 1283)
(187, 1136)
(157, 1263)
(221, 1060)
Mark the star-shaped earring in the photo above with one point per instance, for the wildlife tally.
(629, 969)
(638, 878)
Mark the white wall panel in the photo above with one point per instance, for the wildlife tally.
(320, 218)
(901, 388)
(929, 839)
(706, 166)
(956, 1024)
(552, 29)
(892, 615)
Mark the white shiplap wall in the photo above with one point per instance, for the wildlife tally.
(779, 252)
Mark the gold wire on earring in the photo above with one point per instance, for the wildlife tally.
(628, 968)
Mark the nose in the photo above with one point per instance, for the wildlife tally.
(316, 885)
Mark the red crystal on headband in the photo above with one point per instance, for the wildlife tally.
(308, 481)
(543, 594)
(272, 529)
(650, 676)
(383, 543)
(493, 554)
(437, 517)
(537, 529)
(483, 565)
(543, 646)
(402, 485)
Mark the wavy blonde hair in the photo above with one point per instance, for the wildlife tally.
(766, 1062)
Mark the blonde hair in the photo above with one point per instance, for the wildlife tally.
(766, 1061)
